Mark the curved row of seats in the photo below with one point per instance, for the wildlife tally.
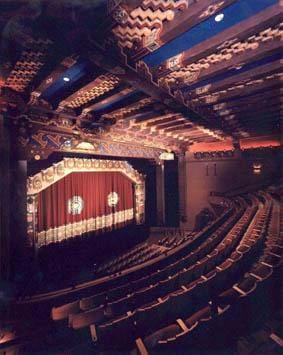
(132, 274)
(191, 292)
(174, 239)
(160, 288)
(230, 312)
(114, 261)
(138, 255)
(153, 286)
(113, 298)
(142, 305)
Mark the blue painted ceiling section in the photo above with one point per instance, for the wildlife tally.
(234, 71)
(238, 11)
(75, 73)
(115, 101)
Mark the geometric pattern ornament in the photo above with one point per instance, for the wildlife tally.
(75, 205)
(112, 199)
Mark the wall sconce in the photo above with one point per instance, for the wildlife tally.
(257, 168)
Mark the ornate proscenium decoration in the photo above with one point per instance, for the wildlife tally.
(58, 171)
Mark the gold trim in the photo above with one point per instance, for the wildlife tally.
(58, 234)
(57, 171)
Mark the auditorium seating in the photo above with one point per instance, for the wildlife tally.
(163, 273)
(163, 287)
(198, 288)
(138, 255)
(242, 302)
(175, 238)
(221, 272)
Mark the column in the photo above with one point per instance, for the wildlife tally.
(18, 207)
(160, 196)
(5, 237)
(182, 189)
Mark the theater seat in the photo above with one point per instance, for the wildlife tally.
(118, 334)
(62, 312)
(92, 301)
(170, 331)
(84, 319)
(152, 316)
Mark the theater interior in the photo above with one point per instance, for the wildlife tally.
(141, 177)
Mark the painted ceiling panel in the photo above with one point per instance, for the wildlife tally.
(225, 85)
(232, 72)
(239, 11)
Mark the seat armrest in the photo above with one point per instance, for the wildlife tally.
(93, 333)
(236, 288)
(256, 276)
(141, 347)
(182, 324)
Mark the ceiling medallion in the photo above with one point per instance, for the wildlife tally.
(75, 205)
(112, 199)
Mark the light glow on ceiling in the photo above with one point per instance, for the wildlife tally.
(219, 17)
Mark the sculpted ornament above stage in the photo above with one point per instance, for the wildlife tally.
(78, 196)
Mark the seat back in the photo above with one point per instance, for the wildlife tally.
(62, 312)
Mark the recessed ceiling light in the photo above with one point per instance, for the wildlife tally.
(219, 17)
(66, 78)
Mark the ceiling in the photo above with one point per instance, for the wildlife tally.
(161, 73)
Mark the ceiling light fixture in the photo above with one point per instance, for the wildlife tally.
(219, 17)
(66, 79)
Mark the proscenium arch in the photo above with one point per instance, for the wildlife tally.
(56, 172)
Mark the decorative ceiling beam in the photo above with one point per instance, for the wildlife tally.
(240, 31)
(264, 49)
(255, 73)
(141, 106)
(164, 127)
(144, 83)
(183, 21)
(249, 101)
(94, 89)
(165, 120)
(168, 123)
(122, 93)
(253, 110)
(238, 93)
(156, 117)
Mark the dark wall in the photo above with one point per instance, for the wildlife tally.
(222, 176)
(171, 193)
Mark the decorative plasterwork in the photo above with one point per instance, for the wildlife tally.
(28, 65)
(225, 53)
(98, 87)
(118, 114)
(59, 170)
(216, 95)
(145, 21)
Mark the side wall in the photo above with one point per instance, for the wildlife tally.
(221, 175)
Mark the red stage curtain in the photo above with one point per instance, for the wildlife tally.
(93, 188)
